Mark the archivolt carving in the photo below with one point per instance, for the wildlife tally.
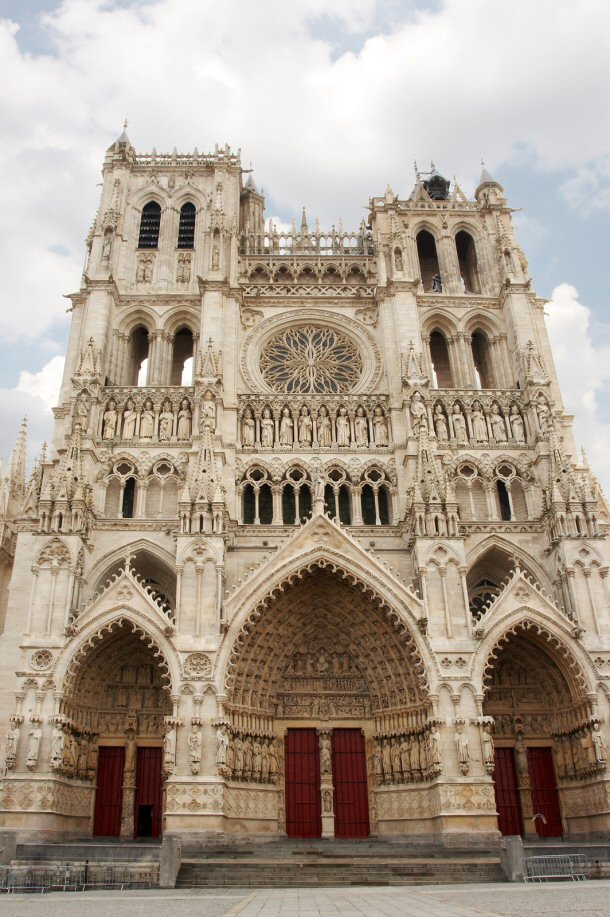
(334, 619)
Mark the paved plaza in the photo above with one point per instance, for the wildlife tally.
(558, 899)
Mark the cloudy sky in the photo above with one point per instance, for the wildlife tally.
(331, 101)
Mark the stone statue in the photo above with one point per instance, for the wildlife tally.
(327, 801)
(265, 761)
(222, 745)
(238, 757)
(325, 754)
(57, 748)
(418, 414)
(434, 747)
(395, 759)
(110, 419)
(208, 412)
(169, 750)
(380, 427)
(147, 421)
(130, 752)
(599, 744)
(343, 430)
(498, 427)
(257, 759)
(521, 755)
(267, 429)
(415, 757)
(286, 428)
(377, 763)
(130, 417)
(398, 259)
(33, 748)
(459, 424)
(543, 413)
(361, 427)
(487, 743)
(166, 421)
(184, 420)
(516, 424)
(479, 427)
(248, 753)
(440, 424)
(274, 759)
(215, 258)
(318, 488)
(325, 434)
(195, 748)
(437, 284)
(248, 429)
(305, 427)
(81, 414)
(386, 760)
(461, 746)
(405, 758)
(12, 741)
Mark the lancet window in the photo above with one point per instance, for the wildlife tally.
(182, 358)
(467, 260)
(429, 268)
(138, 356)
(186, 226)
(481, 356)
(441, 364)
(121, 492)
(374, 498)
(150, 224)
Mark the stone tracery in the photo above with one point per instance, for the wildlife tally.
(310, 359)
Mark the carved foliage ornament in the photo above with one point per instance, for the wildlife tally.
(197, 665)
(311, 359)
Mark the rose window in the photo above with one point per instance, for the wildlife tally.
(311, 359)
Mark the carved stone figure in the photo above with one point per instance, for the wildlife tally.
(257, 759)
(324, 428)
(183, 430)
(248, 430)
(461, 746)
(405, 758)
(459, 424)
(343, 430)
(274, 759)
(267, 429)
(434, 747)
(440, 424)
(498, 427)
(479, 427)
(418, 414)
(327, 802)
(147, 421)
(81, 412)
(361, 427)
(215, 258)
(487, 743)
(380, 427)
(169, 750)
(248, 756)
(130, 417)
(208, 412)
(437, 284)
(516, 424)
(543, 413)
(195, 742)
(305, 427)
(386, 760)
(166, 422)
(395, 759)
(521, 756)
(222, 745)
(33, 748)
(325, 754)
(265, 761)
(238, 757)
(398, 263)
(57, 748)
(12, 741)
(286, 428)
(110, 419)
(130, 752)
(599, 744)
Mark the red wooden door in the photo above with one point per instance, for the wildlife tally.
(507, 792)
(109, 795)
(545, 799)
(149, 793)
(302, 762)
(350, 784)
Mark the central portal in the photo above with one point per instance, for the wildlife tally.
(303, 784)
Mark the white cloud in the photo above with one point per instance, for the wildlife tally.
(45, 384)
(583, 368)
(33, 397)
(323, 128)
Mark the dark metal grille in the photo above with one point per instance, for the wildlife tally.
(149, 225)
(186, 229)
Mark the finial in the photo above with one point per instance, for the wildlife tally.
(125, 124)
(482, 163)
(416, 169)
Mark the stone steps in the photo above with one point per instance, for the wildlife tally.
(100, 852)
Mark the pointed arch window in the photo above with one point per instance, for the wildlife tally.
(429, 268)
(186, 227)
(150, 224)
(467, 260)
(441, 365)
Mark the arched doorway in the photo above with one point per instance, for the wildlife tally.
(113, 711)
(325, 699)
(543, 729)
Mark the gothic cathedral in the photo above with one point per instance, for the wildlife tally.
(313, 553)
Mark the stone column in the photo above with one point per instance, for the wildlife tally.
(326, 783)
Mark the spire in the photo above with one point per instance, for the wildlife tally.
(123, 138)
(485, 176)
(16, 471)
(250, 184)
(494, 190)
(304, 226)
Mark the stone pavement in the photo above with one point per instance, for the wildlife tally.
(557, 899)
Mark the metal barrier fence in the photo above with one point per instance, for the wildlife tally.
(69, 877)
(566, 866)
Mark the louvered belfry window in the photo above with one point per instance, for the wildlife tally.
(186, 229)
(149, 226)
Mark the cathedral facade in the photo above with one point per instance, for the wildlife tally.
(312, 553)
